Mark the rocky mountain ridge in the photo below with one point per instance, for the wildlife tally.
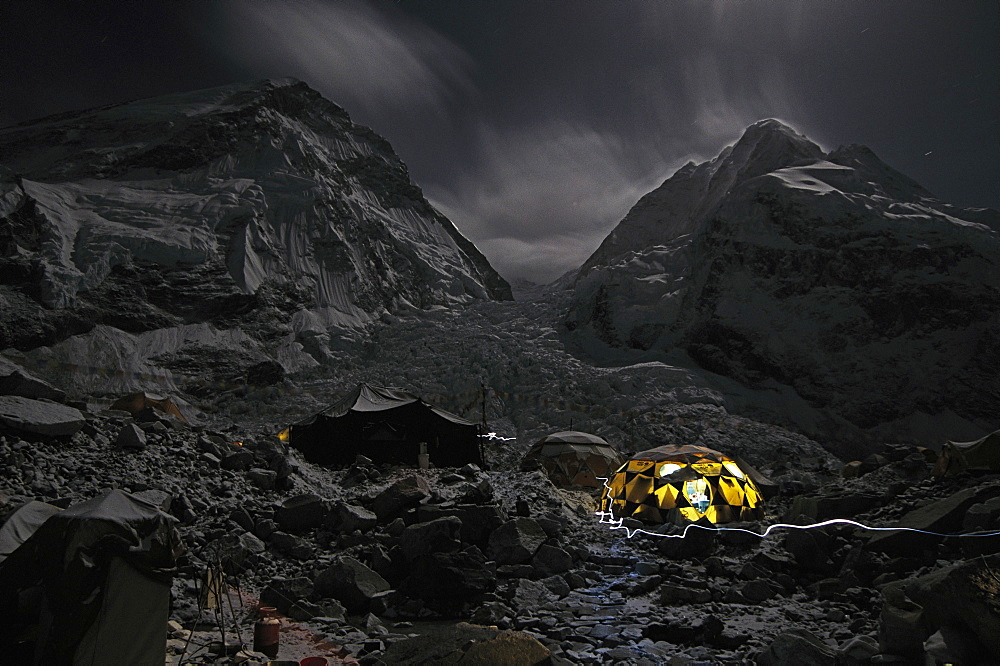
(261, 204)
(837, 293)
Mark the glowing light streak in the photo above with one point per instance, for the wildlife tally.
(608, 518)
(493, 435)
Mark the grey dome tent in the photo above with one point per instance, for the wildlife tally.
(572, 458)
(387, 425)
(91, 582)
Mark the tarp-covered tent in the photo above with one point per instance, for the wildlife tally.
(682, 483)
(92, 584)
(981, 455)
(387, 425)
(21, 524)
(572, 458)
(134, 403)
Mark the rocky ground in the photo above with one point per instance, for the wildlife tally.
(396, 565)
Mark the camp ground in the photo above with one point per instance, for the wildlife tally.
(573, 458)
(386, 425)
(683, 483)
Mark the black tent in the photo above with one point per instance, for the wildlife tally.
(386, 425)
(88, 585)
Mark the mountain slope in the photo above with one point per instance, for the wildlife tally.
(260, 204)
(825, 278)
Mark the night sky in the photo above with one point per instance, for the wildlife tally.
(535, 125)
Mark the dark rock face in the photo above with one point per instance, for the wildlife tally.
(516, 541)
(302, 512)
(404, 494)
(282, 202)
(825, 273)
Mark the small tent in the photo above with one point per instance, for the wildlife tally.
(134, 403)
(91, 584)
(386, 425)
(572, 458)
(682, 483)
(981, 455)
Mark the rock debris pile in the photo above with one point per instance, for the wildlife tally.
(405, 566)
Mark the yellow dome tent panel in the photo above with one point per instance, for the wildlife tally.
(672, 483)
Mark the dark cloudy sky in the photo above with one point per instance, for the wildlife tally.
(535, 125)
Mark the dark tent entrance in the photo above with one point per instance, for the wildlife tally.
(386, 425)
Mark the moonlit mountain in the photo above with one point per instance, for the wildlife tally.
(835, 291)
(258, 203)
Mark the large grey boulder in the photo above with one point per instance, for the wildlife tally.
(301, 512)
(944, 516)
(352, 583)
(797, 646)
(435, 536)
(516, 541)
(400, 496)
(283, 593)
(39, 417)
(350, 517)
(131, 436)
(14, 380)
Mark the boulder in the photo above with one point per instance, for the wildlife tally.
(797, 646)
(962, 601)
(549, 560)
(449, 577)
(131, 436)
(516, 541)
(39, 417)
(508, 647)
(400, 496)
(264, 479)
(350, 517)
(238, 461)
(350, 582)
(301, 513)
(282, 593)
(435, 536)
(698, 544)
(291, 545)
(901, 626)
(944, 516)
(14, 380)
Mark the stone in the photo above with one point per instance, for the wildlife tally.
(671, 593)
(238, 461)
(943, 516)
(901, 628)
(449, 577)
(350, 582)
(301, 512)
(131, 436)
(265, 373)
(291, 545)
(797, 646)
(756, 591)
(282, 593)
(699, 543)
(350, 517)
(14, 380)
(40, 417)
(858, 650)
(400, 496)
(440, 535)
(516, 541)
(158, 498)
(530, 594)
(265, 479)
(550, 560)
(508, 647)
(962, 599)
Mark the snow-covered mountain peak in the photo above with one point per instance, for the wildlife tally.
(838, 292)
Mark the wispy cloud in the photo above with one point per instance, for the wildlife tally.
(375, 63)
(542, 198)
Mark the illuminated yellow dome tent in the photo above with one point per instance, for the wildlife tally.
(682, 483)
